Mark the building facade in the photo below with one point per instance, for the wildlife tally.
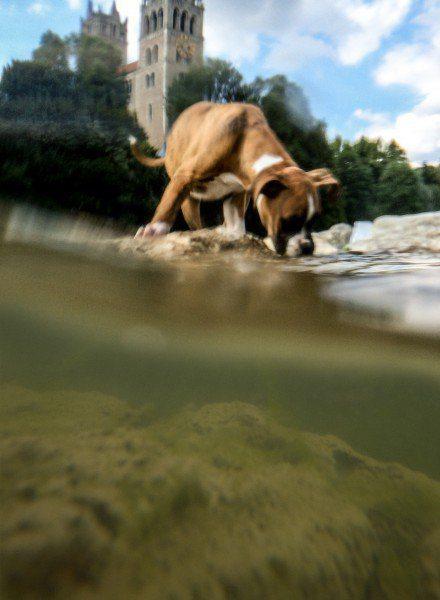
(170, 43)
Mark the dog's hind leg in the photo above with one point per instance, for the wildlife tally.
(191, 213)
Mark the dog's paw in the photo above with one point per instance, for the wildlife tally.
(153, 230)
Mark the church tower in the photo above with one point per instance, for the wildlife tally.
(171, 41)
(107, 26)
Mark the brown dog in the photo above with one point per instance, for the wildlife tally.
(228, 152)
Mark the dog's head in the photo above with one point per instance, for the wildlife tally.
(287, 200)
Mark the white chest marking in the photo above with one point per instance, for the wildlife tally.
(266, 161)
(221, 187)
(311, 210)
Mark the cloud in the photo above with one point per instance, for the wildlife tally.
(343, 30)
(415, 65)
(38, 8)
(74, 4)
(371, 24)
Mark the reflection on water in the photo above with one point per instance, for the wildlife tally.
(219, 427)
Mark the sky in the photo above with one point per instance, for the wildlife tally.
(367, 66)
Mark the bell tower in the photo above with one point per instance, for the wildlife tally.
(171, 42)
(109, 27)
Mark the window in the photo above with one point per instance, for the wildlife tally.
(129, 88)
(156, 54)
(154, 21)
(147, 81)
(178, 57)
(183, 20)
(160, 17)
(176, 18)
(148, 57)
(147, 25)
(192, 26)
(152, 80)
(150, 112)
(114, 28)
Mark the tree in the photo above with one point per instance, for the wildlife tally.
(358, 183)
(216, 81)
(53, 52)
(63, 135)
(399, 190)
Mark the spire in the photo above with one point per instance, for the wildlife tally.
(90, 9)
(114, 9)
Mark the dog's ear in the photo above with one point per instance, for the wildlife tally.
(268, 184)
(325, 178)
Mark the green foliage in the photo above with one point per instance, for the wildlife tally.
(399, 190)
(216, 81)
(53, 52)
(378, 179)
(76, 169)
(63, 133)
(430, 178)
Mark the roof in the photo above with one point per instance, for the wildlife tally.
(130, 68)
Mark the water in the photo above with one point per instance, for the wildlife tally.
(219, 426)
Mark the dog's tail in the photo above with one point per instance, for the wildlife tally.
(144, 160)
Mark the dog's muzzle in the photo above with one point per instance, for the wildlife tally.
(300, 245)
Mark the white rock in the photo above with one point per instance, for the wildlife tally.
(410, 233)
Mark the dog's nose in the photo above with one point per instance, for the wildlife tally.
(306, 247)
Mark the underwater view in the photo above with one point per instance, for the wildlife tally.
(223, 425)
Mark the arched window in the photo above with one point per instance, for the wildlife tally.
(176, 18)
(147, 81)
(150, 112)
(148, 58)
(147, 25)
(192, 26)
(152, 80)
(156, 54)
(114, 28)
(183, 20)
(160, 17)
(154, 21)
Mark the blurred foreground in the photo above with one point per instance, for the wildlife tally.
(228, 426)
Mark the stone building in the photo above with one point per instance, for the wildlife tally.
(170, 42)
(107, 26)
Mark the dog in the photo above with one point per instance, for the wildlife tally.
(228, 152)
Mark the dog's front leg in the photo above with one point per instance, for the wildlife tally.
(234, 211)
(166, 213)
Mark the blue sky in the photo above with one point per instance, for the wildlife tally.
(367, 66)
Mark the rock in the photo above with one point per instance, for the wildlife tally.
(191, 243)
(337, 236)
(410, 233)
(322, 247)
(220, 499)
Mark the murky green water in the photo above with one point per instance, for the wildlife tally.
(219, 427)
